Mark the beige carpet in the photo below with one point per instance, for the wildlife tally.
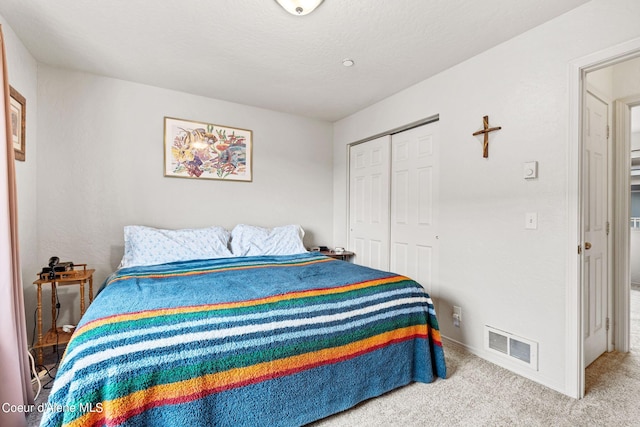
(479, 393)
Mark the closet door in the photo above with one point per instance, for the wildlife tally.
(369, 165)
(414, 201)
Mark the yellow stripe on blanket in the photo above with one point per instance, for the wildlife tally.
(119, 410)
(239, 304)
(218, 270)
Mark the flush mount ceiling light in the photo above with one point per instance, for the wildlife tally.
(299, 7)
(348, 62)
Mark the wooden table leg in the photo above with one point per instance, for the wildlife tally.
(90, 289)
(39, 350)
(81, 298)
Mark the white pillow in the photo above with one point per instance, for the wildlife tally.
(151, 246)
(249, 240)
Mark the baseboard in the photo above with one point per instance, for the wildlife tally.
(456, 343)
(516, 369)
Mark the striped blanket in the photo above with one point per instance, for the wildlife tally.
(256, 341)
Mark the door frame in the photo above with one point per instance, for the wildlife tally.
(574, 343)
(622, 267)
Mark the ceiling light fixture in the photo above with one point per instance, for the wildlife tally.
(348, 62)
(299, 7)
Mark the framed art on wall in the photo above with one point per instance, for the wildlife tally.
(205, 150)
(18, 123)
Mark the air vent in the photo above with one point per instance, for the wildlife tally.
(508, 345)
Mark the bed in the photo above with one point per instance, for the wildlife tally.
(268, 340)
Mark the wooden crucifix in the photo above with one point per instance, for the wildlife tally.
(485, 131)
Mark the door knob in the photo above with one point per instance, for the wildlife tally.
(587, 245)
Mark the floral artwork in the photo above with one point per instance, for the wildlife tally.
(204, 150)
(18, 118)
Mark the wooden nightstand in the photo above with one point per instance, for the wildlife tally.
(344, 256)
(55, 336)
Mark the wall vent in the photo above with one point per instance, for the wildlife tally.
(518, 349)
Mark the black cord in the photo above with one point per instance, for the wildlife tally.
(49, 372)
(35, 322)
(55, 322)
(33, 338)
(48, 385)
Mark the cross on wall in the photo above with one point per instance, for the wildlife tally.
(485, 132)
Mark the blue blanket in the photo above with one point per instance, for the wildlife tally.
(255, 341)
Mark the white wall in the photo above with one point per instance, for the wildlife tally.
(602, 81)
(100, 167)
(23, 73)
(635, 254)
(626, 78)
(499, 273)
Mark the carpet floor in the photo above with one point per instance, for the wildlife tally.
(479, 393)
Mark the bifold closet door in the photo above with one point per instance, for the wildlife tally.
(414, 202)
(369, 165)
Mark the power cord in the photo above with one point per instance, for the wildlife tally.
(35, 374)
(55, 366)
(48, 371)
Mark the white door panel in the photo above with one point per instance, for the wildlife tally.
(369, 202)
(595, 274)
(414, 197)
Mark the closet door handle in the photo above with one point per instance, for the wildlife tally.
(587, 245)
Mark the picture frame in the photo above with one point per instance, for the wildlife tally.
(207, 151)
(18, 117)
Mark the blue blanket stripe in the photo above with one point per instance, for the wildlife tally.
(234, 314)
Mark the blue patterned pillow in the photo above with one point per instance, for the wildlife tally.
(249, 240)
(151, 246)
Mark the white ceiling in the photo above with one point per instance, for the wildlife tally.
(253, 52)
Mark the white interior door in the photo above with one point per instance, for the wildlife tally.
(369, 202)
(595, 198)
(414, 201)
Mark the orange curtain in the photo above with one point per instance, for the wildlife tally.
(15, 382)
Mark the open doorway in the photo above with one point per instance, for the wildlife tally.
(617, 87)
(579, 69)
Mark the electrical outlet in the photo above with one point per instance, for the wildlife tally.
(457, 316)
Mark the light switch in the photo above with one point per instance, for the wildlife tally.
(531, 220)
(530, 170)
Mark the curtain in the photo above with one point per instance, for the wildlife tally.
(15, 381)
